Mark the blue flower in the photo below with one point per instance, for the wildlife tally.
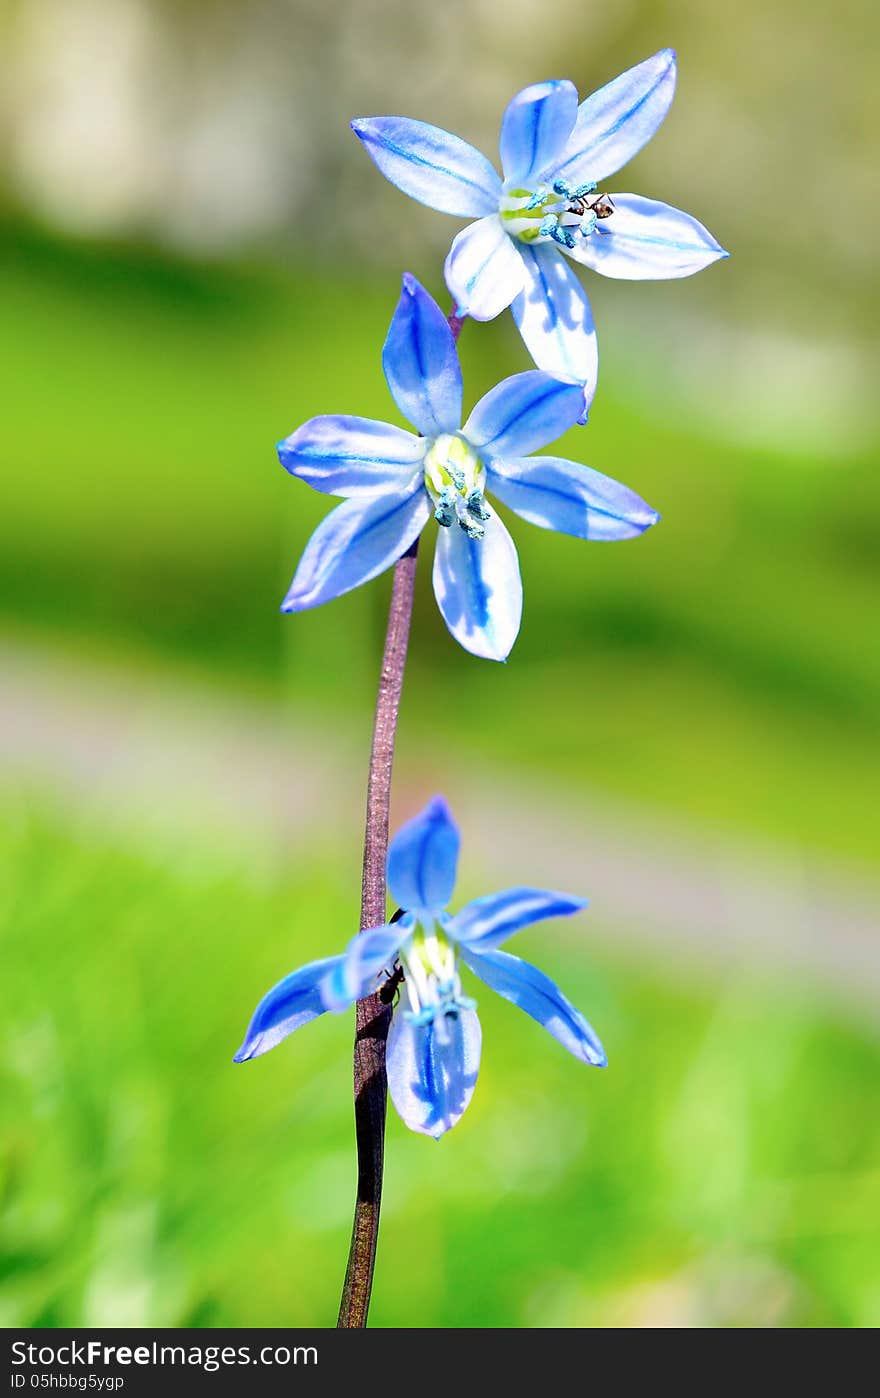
(554, 153)
(397, 481)
(434, 1041)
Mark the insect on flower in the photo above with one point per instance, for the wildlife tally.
(554, 154)
(396, 481)
(435, 1039)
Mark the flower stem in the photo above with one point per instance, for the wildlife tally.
(374, 1013)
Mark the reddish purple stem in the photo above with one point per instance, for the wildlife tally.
(373, 1012)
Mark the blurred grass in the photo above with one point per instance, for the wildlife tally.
(718, 667)
(724, 1171)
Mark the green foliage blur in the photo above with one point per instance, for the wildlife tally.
(724, 1171)
(721, 1172)
(718, 665)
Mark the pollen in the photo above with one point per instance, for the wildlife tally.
(555, 213)
(456, 477)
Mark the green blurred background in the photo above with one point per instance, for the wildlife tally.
(195, 257)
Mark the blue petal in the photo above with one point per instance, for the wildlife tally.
(432, 1069)
(431, 165)
(523, 413)
(351, 455)
(357, 541)
(487, 922)
(484, 270)
(555, 320)
(535, 129)
(288, 1005)
(614, 123)
(423, 858)
(644, 240)
(478, 588)
(367, 955)
(569, 498)
(421, 362)
(524, 985)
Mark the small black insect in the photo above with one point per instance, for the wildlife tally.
(388, 991)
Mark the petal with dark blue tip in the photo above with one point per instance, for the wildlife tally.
(646, 240)
(553, 315)
(432, 1069)
(535, 129)
(524, 985)
(423, 859)
(356, 542)
(478, 588)
(431, 165)
(368, 954)
(421, 362)
(614, 123)
(287, 1006)
(341, 455)
(487, 922)
(484, 270)
(569, 498)
(523, 413)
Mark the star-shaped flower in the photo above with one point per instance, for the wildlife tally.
(396, 481)
(435, 1038)
(554, 154)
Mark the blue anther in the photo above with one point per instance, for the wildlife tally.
(589, 188)
(560, 187)
(535, 201)
(563, 236)
(476, 505)
(548, 227)
(425, 1016)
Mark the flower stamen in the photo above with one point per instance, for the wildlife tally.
(561, 213)
(455, 477)
(432, 982)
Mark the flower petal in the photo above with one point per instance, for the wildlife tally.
(423, 858)
(287, 1006)
(524, 985)
(569, 498)
(431, 165)
(523, 413)
(487, 922)
(645, 240)
(535, 129)
(483, 269)
(366, 956)
(421, 362)
(614, 123)
(357, 541)
(342, 455)
(555, 320)
(478, 588)
(432, 1069)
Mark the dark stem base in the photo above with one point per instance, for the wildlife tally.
(374, 1013)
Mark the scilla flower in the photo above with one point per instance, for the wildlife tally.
(554, 155)
(397, 482)
(434, 1042)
